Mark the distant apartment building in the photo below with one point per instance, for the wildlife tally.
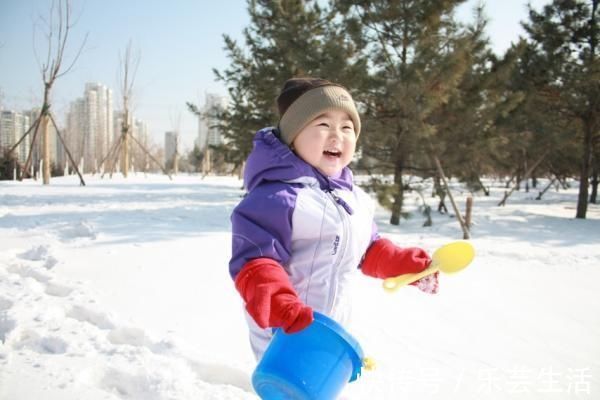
(75, 128)
(140, 131)
(208, 131)
(13, 126)
(138, 128)
(171, 139)
(90, 126)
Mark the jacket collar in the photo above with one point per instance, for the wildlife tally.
(273, 161)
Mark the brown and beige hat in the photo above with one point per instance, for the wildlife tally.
(303, 99)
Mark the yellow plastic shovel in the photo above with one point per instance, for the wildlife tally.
(449, 259)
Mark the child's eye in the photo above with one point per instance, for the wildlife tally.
(325, 124)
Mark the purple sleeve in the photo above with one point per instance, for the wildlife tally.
(262, 226)
(374, 237)
(374, 233)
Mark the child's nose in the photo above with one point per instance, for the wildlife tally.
(336, 133)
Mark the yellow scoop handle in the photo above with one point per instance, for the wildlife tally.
(449, 259)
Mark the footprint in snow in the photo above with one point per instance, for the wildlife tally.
(129, 386)
(26, 271)
(81, 229)
(40, 253)
(130, 336)
(96, 318)
(5, 304)
(6, 324)
(35, 253)
(50, 262)
(221, 374)
(41, 344)
(138, 338)
(58, 290)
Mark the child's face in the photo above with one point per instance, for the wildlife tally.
(328, 142)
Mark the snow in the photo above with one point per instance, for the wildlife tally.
(120, 290)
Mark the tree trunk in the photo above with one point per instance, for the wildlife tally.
(525, 169)
(469, 213)
(125, 156)
(461, 221)
(206, 162)
(545, 189)
(176, 156)
(125, 144)
(595, 172)
(527, 173)
(25, 168)
(59, 136)
(441, 193)
(46, 136)
(482, 186)
(399, 194)
(45, 149)
(582, 200)
(241, 171)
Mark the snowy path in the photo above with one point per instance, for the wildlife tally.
(85, 277)
(119, 290)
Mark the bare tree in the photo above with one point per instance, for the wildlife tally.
(128, 65)
(128, 68)
(58, 25)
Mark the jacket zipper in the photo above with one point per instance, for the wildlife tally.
(341, 250)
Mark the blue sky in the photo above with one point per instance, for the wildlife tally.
(180, 42)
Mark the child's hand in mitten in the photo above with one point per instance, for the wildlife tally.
(270, 297)
(386, 260)
(428, 284)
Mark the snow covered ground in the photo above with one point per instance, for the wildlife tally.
(120, 290)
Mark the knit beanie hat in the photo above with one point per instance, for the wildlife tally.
(303, 99)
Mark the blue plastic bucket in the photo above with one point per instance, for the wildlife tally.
(315, 363)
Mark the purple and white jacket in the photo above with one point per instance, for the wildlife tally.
(318, 228)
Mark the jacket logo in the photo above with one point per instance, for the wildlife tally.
(336, 243)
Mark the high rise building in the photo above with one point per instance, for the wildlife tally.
(170, 148)
(75, 128)
(208, 131)
(140, 131)
(138, 128)
(90, 127)
(13, 126)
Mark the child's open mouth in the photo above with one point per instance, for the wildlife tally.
(333, 153)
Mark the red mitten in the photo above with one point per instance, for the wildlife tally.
(385, 260)
(270, 298)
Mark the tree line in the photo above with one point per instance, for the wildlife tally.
(429, 87)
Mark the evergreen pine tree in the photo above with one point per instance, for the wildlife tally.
(284, 39)
(468, 124)
(565, 37)
(418, 55)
